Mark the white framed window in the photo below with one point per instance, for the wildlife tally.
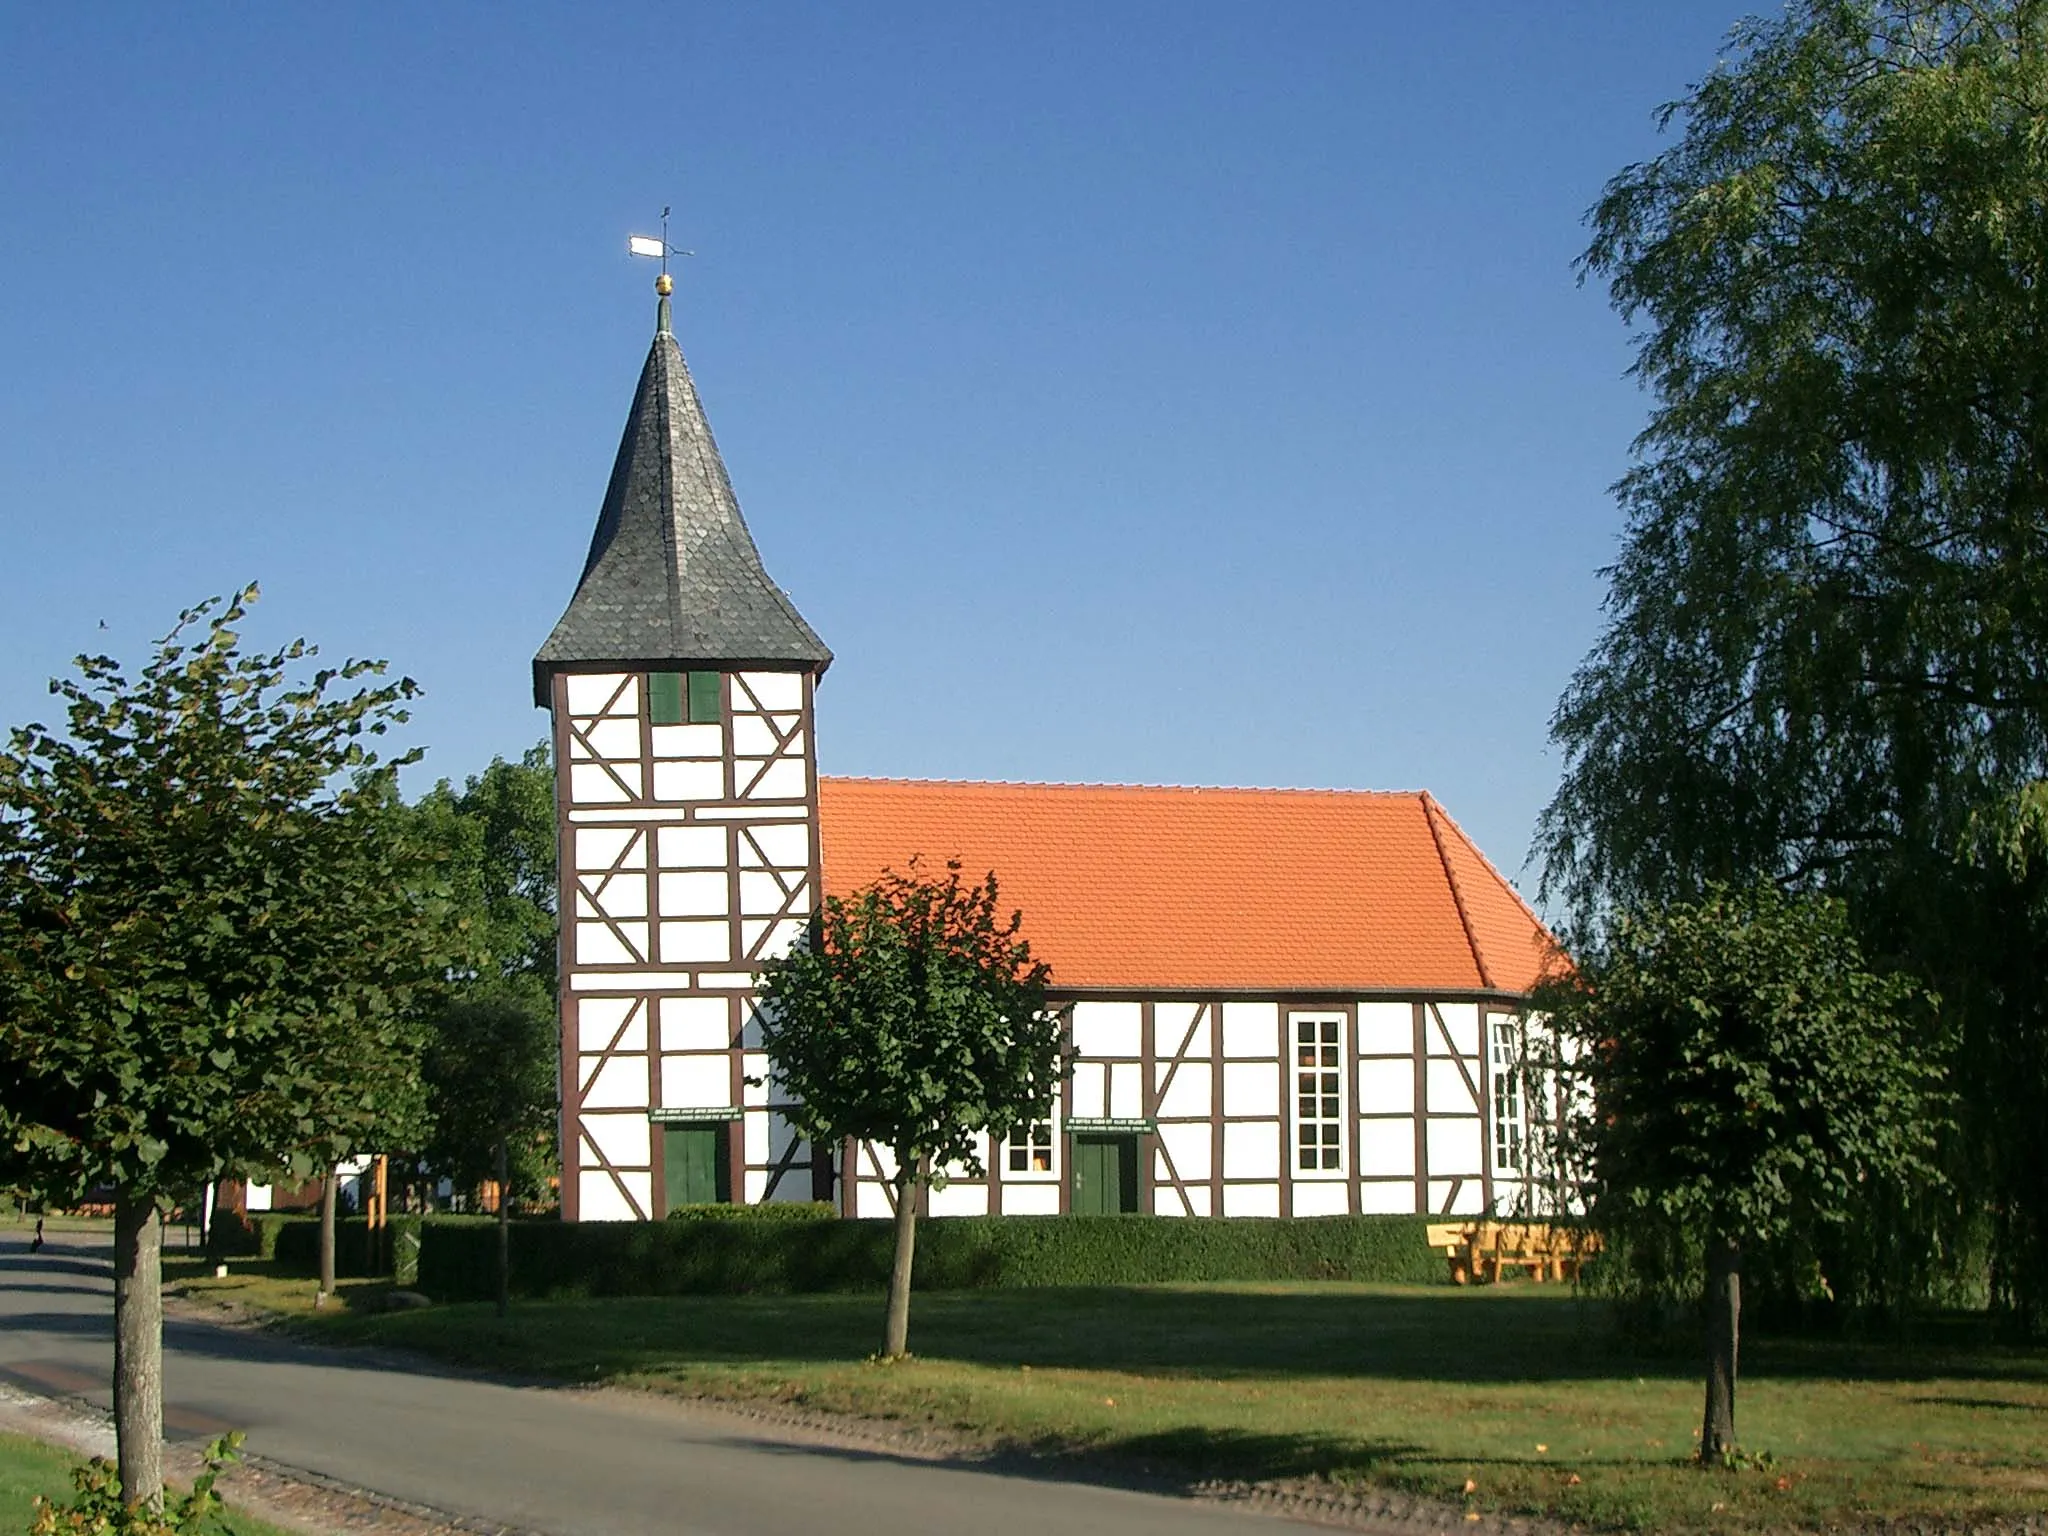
(1029, 1151)
(1318, 1094)
(1504, 1041)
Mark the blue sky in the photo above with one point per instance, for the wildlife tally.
(1175, 393)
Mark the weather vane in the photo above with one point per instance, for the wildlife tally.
(659, 248)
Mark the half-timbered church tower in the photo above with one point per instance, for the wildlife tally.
(1280, 1002)
(680, 680)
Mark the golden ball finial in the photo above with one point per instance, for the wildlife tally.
(664, 285)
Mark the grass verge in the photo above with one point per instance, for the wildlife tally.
(29, 1468)
(1509, 1399)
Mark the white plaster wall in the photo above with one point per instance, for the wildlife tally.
(696, 942)
(1448, 1094)
(598, 1198)
(784, 845)
(1188, 1093)
(1468, 1202)
(1454, 1148)
(698, 741)
(689, 847)
(1461, 1022)
(598, 1019)
(1108, 1029)
(591, 785)
(1252, 1030)
(619, 1082)
(1319, 1198)
(1189, 1147)
(1251, 1088)
(689, 781)
(1390, 1199)
(617, 896)
(1251, 1199)
(1030, 1199)
(781, 778)
(695, 1024)
(1251, 1151)
(692, 893)
(1170, 1023)
(696, 1082)
(1091, 1089)
(774, 690)
(1126, 1090)
(1386, 1029)
(589, 692)
(603, 848)
(614, 740)
(1386, 1087)
(960, 1200)
(1386, 1147)
(597, 944)
(621, 1138)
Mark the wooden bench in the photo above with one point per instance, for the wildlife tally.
(1480, 1250)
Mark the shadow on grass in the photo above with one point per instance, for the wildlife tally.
(1208, 1335)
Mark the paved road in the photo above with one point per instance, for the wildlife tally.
(556, 1462)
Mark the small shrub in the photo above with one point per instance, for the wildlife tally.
(96, 1507)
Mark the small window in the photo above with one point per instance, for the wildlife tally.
(1508, 1127)
(684, 698)
(1319, 1096)
(1030, 1148)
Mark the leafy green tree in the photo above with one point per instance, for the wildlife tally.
(213, 928)
(916, 1019)
(491, 1076)
(1737, 1077)
(492, 1069)
(1827, 639)
(498, 831)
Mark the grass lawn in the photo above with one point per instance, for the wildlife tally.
(1518, 1393)
(29, 1468)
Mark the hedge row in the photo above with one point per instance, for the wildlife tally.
(292, 1241)
(708, 1257)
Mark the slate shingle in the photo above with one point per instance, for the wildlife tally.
(673, 580)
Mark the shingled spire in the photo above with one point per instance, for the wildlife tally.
(673, 580)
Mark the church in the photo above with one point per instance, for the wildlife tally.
(1280, 1002)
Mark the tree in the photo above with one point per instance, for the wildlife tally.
(1737, 1076)
(212, 930)
(492, 1070)
(1827, 639)
(916, 1019)
(490, 1073)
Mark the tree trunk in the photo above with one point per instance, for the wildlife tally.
(504, 1234)
(327, 1194)
(911, 1176)
(139, 1348)
(1724, 1334)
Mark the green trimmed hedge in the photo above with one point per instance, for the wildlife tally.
(292, 1242)
(734, 1255)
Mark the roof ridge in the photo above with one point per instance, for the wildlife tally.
(1126, 788)
(1491, 868)
(1429, 814)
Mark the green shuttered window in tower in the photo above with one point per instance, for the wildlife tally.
(684, 698)
(704, 698)
(665, 698)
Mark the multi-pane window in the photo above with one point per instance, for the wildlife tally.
(1029, 1149)
(1318, 1092)
(1505, 1043)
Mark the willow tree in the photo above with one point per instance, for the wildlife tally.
(214, 925)
(1826, 651)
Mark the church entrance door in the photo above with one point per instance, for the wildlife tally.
(1105, 1175)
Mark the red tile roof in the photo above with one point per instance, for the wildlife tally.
(1241, 890)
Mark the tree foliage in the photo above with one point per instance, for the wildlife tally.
(1826, 651)
(492, 1061)
(215, 925)
(1736, 1078)
(915, 1019)
(214, 922)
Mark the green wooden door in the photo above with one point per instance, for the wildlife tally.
(1105, 1175)
(696, 1164)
